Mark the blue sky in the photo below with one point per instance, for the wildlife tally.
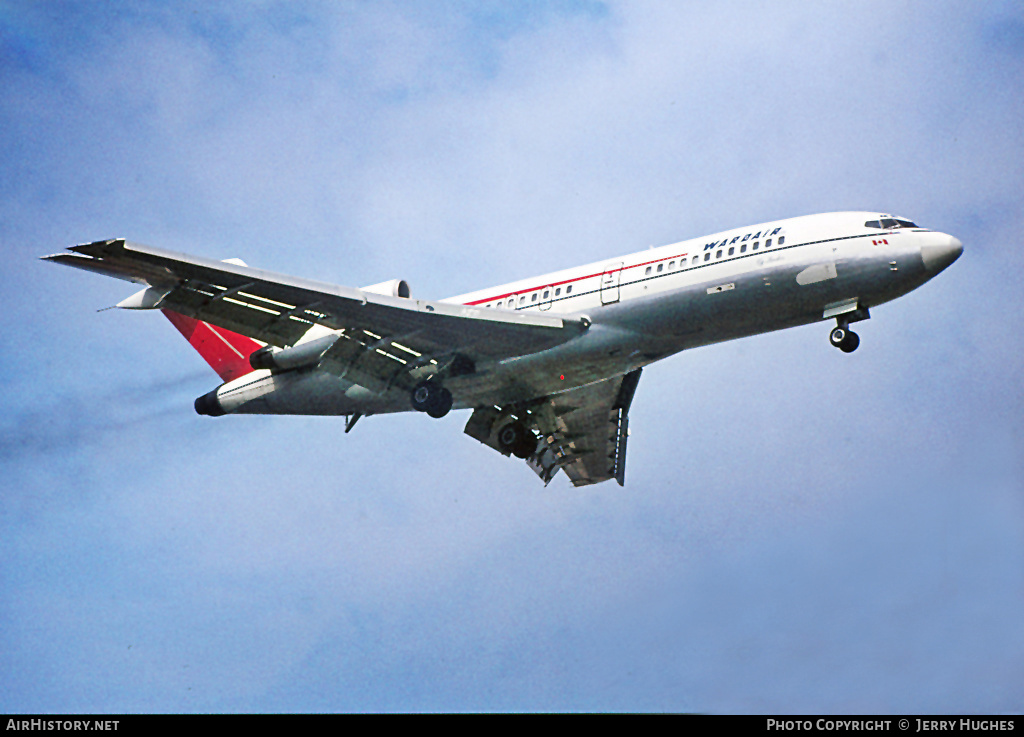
(801, 530)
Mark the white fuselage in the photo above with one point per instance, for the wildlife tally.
(648, 305)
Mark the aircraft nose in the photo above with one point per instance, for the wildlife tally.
(940, 253)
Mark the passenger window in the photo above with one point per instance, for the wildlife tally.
(768, 243)
(754, 247)
(719, 254)
(648, 271)
(522, 300)
(732, 250)
(694, 259)
(743, 248)
(546, 293)
(782, 239)
(707, 256)
(558, 291)
(660, 267)
(534, 297)
(568, 289)
(671, 264)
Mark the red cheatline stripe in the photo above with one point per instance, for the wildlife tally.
(225, 351)
(574, 279)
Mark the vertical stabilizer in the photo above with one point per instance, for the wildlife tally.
(225, 351)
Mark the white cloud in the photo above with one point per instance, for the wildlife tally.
(793, 518)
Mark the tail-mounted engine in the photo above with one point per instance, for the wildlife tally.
(285, 359)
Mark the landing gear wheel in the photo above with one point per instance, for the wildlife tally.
(422, 395)
(432, 398)
(844, 339)
(510, 435)
(526, 447)
(442, 406)
(514, 438)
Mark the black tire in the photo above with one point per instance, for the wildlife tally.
(526, 446)
(511, 436)
(422, 395)
(442, 403)
(850, 342)
(432, 398)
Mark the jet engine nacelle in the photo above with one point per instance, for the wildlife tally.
(284, 359)
(393, 288)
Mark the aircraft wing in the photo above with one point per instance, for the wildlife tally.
(384, 333)
(582, 431)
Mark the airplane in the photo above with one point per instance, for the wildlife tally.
(548, 365)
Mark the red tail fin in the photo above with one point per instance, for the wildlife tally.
(225, 351)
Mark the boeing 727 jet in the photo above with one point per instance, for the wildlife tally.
(547, 365)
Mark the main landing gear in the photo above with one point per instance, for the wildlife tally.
(430, 397)
(844, 339)
(514, 438)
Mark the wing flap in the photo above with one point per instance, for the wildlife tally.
(582, 432)
(586, 430)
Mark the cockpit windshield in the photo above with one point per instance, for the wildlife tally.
(890, 223)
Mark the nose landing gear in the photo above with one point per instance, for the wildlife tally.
(845, 312)
(844, 339)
